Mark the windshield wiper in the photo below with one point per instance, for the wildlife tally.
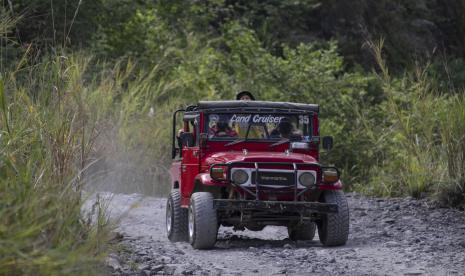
(237, 141)
(280, 142)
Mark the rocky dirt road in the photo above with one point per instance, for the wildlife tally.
(387, 237)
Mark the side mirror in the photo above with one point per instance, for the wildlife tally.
(327, 142)
(203, 140)
(176, 152)
(187, 139)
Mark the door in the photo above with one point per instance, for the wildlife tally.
(189, 169)
(190, 165)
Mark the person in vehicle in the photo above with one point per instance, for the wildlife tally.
(285, 129)
(245, 96)
(241, 129)
(182, 139)
(223, 130)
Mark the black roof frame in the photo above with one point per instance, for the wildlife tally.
(254, 106)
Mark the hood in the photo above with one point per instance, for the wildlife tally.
(239, 156)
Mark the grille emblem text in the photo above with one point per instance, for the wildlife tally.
(275, 178)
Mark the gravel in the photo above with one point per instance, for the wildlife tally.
(400, 236)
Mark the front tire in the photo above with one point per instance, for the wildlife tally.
(203, 221)
(302, 232)
(176, 218)
(333, 228)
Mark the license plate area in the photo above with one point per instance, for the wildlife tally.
(273, 178)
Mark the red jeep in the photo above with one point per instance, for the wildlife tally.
(249, 164)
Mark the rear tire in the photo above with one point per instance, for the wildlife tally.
(203, 222)
(333, 228)
(176, 218)
(302, 232)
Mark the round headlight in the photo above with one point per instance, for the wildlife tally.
(240, 177)
(307, 179)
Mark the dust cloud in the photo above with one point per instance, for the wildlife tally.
(120, 168)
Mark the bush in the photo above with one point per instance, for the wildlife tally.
(419, 144)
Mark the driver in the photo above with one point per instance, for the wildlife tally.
(285, 129)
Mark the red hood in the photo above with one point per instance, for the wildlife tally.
(238, 156)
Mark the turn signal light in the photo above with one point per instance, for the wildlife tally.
(217, 173)
(330, 176)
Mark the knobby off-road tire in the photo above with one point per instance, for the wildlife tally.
(302, 232)
(176, 218)
(333, 228)
(203, 221)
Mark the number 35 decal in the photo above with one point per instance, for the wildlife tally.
(303, 119)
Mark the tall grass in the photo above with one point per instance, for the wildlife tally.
(71, 124)
(452, 135)
(46, 139)
(421, 139)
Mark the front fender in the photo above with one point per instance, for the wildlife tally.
(206, 180)
(204, 183)
(333, 186)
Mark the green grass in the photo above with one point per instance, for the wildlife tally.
(45, 143)
(421, 139)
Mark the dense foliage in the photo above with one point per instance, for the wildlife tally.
(88, 89)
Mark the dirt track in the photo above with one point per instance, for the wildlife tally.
(387, 237)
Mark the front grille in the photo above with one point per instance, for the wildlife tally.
(274, 178)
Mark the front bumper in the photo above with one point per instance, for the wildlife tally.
(257, 166)
(274, 206)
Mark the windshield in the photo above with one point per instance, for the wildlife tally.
(259, 126)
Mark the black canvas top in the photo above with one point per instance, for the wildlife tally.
(257, 104)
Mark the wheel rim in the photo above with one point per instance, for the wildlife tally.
(191, 223)
(168, 217)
